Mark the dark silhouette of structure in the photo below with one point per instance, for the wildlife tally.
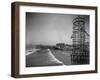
(80, 52)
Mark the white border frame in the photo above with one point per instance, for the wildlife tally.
(53, 69)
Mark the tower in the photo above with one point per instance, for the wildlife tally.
(80, 51)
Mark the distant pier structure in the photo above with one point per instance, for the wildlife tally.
(80, 51)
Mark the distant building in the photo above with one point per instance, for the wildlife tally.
(64, 46)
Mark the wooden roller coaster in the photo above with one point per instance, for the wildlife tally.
(80, 51)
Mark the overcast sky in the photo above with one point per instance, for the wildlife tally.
(48, 28)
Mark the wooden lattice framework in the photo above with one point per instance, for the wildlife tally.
(80, 52)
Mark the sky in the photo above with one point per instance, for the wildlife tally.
(48, 28)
